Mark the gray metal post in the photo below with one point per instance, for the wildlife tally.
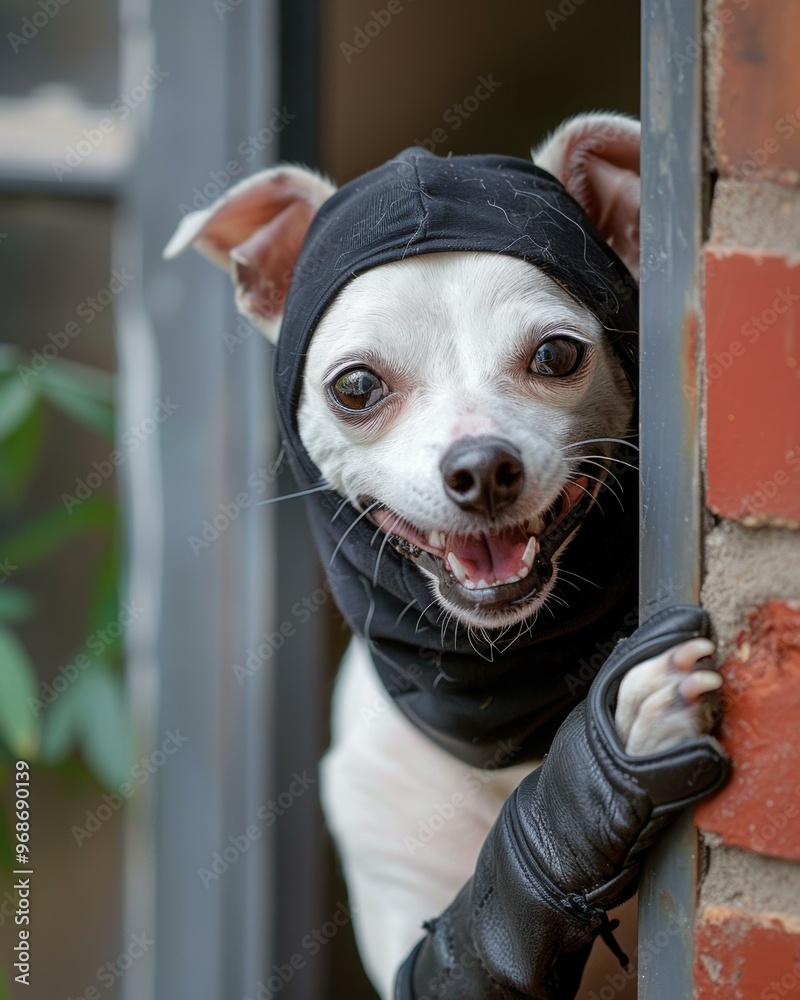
(206, 605)
(671, 511)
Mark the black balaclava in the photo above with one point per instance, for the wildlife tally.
(499, 701)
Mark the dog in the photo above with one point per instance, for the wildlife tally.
(467, 454)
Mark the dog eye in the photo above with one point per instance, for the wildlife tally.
(359, 389)
(558, 357)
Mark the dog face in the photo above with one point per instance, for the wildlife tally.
(463, 401)
(467, 402)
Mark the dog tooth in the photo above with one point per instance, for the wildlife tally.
(436, 539)
(481, 585)
(523, 572)
(512, 579)
(458, 571)
(530, 552)
(536, 525)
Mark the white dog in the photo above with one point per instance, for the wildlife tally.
(468, 453)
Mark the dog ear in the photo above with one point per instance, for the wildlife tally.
(596, 158)
(254, 231)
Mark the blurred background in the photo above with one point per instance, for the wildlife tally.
(137, 568)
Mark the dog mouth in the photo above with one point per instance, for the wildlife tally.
(493, 569)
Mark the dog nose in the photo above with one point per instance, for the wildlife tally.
(482, 475)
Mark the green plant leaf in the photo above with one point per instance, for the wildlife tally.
(19, 728)
(46, 533)
(85, 394)
(11, 357)
(16, 603)
(19, 456)
(60, 725)
(16, 402)
(103, 724)
(104, 601)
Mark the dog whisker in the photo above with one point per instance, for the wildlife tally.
(489, 659)
(447, 616)
(606, 458)
(344, 536)
(339, 509)
(442, 675)
(607, 471)
(577, 444)
(368, 620)
(419, 620)
(302, 493)
(594, 499)
(568, 572)
(408, 607)
(601, 482)
(380, 550)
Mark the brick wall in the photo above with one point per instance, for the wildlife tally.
(747, 939)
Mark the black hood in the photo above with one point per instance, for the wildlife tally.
(473, 695)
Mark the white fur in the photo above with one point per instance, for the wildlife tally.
(456, 326)
(408, 818)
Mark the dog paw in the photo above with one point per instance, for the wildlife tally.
(660, 702)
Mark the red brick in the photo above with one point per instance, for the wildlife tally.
(760, 807)
(746, 956)
(756, 73)
(752, 321)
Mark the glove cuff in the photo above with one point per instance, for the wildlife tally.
(671, 779)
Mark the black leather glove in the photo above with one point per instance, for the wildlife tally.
(566, 847)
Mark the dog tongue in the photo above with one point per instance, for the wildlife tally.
(490, 558)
